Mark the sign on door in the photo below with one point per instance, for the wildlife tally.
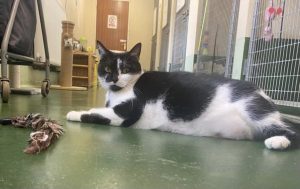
(112, 21)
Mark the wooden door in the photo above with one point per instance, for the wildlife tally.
(112, 23)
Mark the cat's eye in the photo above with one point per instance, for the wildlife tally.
(125, 70)
(107, 69)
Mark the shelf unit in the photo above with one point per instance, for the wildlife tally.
(83, 69)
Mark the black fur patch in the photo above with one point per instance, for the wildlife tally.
(186, 95)
(130, 110)
(115, 88)
(107, 104)
(259, 107)
(241, 89)
(94, 118)
(275, 130)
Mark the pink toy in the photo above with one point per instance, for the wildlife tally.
(279, 11)
(268, 35)
(269, 13)
(269, 16)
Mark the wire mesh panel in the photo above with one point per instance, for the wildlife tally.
(180, 37)
(274, 56)
(217, 37)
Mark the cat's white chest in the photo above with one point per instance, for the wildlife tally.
(116, 98)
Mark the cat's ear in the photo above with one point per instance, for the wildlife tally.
(136, 50)
(102, 49)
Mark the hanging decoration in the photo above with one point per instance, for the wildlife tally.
(270, 13)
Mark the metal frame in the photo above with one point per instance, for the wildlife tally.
(11, 58)
(5, 41)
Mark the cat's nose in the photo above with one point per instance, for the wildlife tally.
(115, 79)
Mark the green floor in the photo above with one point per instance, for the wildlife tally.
(96, 156)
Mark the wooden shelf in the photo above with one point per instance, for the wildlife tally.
(83, 69)
(79, 77)
(80, 66)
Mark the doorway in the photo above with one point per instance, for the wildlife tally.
(112, 24)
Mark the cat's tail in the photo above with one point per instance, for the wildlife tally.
(281, 137)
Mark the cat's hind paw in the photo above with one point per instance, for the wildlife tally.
(277, 143)
(74, 116)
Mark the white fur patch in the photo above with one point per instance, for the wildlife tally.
(118, 97)
(104, 84)
(125, 79)
(263, 94)
(126, 93)
(277, 142)
(119, 62)
(154, 116)
(75, 115)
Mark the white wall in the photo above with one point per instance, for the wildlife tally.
(53, 14)
(192, 35)
(81, 12)
(171, 36)
(53, 28)
(140, 28)
(158, 34)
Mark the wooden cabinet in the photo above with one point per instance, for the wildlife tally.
(83, 69)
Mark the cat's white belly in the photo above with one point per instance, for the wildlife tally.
(227, 124)
(221, 119)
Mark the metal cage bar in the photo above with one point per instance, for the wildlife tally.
(216, 50)
(232, 38)
(274, 56)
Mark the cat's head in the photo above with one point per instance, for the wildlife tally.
(118, 70)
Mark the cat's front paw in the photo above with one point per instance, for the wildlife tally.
(74, 116)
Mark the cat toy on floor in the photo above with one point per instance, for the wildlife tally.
(45, 131)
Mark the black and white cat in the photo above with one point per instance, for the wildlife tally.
(185, 103)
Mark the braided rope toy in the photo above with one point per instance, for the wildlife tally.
(45, 131)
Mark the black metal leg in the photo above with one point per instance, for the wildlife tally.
(42, 20)
(46, 83)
